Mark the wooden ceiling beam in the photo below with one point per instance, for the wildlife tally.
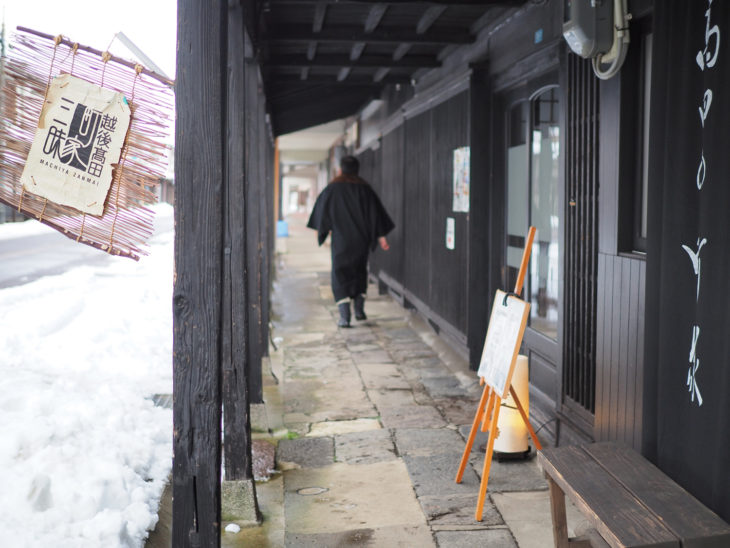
(401, 51)
(381, 75)
(320, 12)
(299, 33)
(416, 61)
(375, 16)
(356, 51)
(429, 17)
(343, 74)
(455, 3)
(294, 81)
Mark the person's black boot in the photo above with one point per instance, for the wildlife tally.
(359, 306)
(344, 320)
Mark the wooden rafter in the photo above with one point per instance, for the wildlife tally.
(356, 51)
(455, 3)
(320, 11)
(401, 51)
(355, 80)
(428, 18)
(381, 75)
(343, 74)
(371, 23)
(300, 33)
(414, 61)
(374, 17)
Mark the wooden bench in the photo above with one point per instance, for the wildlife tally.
(628, 500)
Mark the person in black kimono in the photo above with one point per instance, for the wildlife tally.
(349, 208)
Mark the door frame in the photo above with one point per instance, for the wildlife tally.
(546, 349)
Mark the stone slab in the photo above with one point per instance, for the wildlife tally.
(528, 516)
(451, 510)
(359, 337)
(306, 452)
(259, 418)
(459, 411)
(364, 447)
(392, 537)
(335, 398)
(270, 532)
(350, 498)
(424, 442)
(263, 459)
(382, 376)
(332, 428)
(522, 475)
(434, 475)
(412, 416)
(385, 399)
(238, 502)
(372, 356)
(303, 339)
(494, 538)
(444, 387)
(363, 347)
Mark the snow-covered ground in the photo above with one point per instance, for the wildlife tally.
(84, 452)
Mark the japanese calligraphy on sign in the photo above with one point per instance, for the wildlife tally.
(79, 139)
(706, 59)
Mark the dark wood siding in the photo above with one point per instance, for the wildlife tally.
(620, 349)
(448, 267)
(370, 170)
(621, 281)
(417, 210)
(417, 174)
(390, 190)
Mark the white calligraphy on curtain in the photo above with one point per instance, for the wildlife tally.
(706, 59)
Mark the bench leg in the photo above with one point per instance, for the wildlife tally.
(557, 510)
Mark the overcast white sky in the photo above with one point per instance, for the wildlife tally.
(150, 24)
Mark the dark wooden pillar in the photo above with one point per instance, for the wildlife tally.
(255, 243)
(236, 409)
(265, 217)
(484, 275)
(199, 160)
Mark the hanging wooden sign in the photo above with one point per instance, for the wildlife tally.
(82, 143)
(80, 135)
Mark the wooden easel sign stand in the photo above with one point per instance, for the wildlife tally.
(504, 338)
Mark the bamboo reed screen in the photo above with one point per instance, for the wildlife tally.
(126, 224)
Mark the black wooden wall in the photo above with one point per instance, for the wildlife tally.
(621, 279)
(387, 179)
(412, 171)
(449, 273)
(417, 210)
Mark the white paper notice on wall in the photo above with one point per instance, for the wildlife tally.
(450, 230)
(79, 140)
(461, 179)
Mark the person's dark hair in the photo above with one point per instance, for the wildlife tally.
(349, 165)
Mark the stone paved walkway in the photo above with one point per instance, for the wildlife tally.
(370, 424)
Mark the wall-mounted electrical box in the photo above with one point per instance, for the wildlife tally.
(588, 26)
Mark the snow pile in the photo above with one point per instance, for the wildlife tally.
(84, 452)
